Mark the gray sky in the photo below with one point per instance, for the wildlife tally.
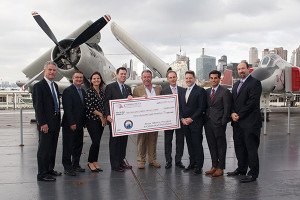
(222, 27)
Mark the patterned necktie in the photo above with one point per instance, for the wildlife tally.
(212, 95)
(174, 90)
(124, 92)
(240, 85)
(187, 94)
(54, 98)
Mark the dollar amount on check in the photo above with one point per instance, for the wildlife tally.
(141, 115)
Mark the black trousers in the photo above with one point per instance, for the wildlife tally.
(95, 130)
(72, 147)
(117, 149)
(216, 140)
(194, 138)
(246, 143)
(179, 144)
(47, 150)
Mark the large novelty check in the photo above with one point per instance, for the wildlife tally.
(141, 115)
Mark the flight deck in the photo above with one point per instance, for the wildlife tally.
(279, 177)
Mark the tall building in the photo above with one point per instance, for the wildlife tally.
(222, 63)
(204, 65)
(298, 56)
(180, 66)
(253, 55)
(281, 52)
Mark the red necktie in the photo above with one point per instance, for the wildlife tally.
(212, 95)
(174, 90)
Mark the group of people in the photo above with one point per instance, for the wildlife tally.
(212, 109)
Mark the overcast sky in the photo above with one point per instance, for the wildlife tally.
(222, 27)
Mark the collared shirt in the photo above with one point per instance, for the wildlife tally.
(120, 85)
(191, 87)
(152, 92)
(49, 83)
(214, 89)
(79, 90)
(175, 89)
(243, 80)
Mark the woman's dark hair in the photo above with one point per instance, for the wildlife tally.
(101, 83)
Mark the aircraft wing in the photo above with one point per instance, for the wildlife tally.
(61, 85)
(154, 63)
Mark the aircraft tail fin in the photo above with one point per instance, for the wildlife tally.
(227, 78)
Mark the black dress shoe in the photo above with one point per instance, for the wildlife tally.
(198, 171)
(78, 169)
(47, 178)
(180, 165)
(118, 169)
(93, 170)
(55, 173)
(99, 169)
(125, 166)
(168, 165)
(190, 167)
(248, 179)
(70, 173)
(235, 173)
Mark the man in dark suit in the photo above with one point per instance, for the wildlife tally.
(46, 103)
(246, 123)
(73, 123)
(192, 113)
(173, 88)
(117, 145)
(218, 112)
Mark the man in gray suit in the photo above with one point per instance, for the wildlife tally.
(217, 115)
(173, 88)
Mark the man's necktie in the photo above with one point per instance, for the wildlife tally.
(240, 85)
(80, 94)
(54, 98)
(212, 95)
(187, 94)
(124, 92)
(174, 90)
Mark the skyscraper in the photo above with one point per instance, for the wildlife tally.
(264, 52)
(253, 55)
(204, 64)
(298, 56)
(281, 52)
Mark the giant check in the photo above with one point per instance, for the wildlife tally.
(141, 115)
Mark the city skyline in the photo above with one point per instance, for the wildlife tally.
(222, 27)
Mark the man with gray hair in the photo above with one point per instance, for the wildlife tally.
(47, 112)
(146, 142)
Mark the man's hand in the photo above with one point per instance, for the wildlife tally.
(44, 128)
(188, 120)
(145, 95)
(109, 119)
(235, 117)
(73, 127)
(129, 97)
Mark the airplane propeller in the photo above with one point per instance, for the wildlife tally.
(65, 52)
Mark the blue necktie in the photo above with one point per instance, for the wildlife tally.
(124, 92)
(80, 94)
(54, 98)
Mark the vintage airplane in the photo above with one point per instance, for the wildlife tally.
(83, 53)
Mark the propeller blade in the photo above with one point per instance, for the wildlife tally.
(44, 27)
(90, 31)
(25, 86)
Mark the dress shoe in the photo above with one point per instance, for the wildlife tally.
(168, 165)
(47, 178)
(190, 167)
(125, 166)
(235, 173)
(211, 171)
(79, 169)
(99, 169)
(180, 165)
(248, 179)
(93, 170)
(55, 173)
(141, 165)
(218, 172)
(198, 171)
(155, 164)
(118, 169)
(70, 173)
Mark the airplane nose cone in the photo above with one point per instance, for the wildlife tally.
(261, 74)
